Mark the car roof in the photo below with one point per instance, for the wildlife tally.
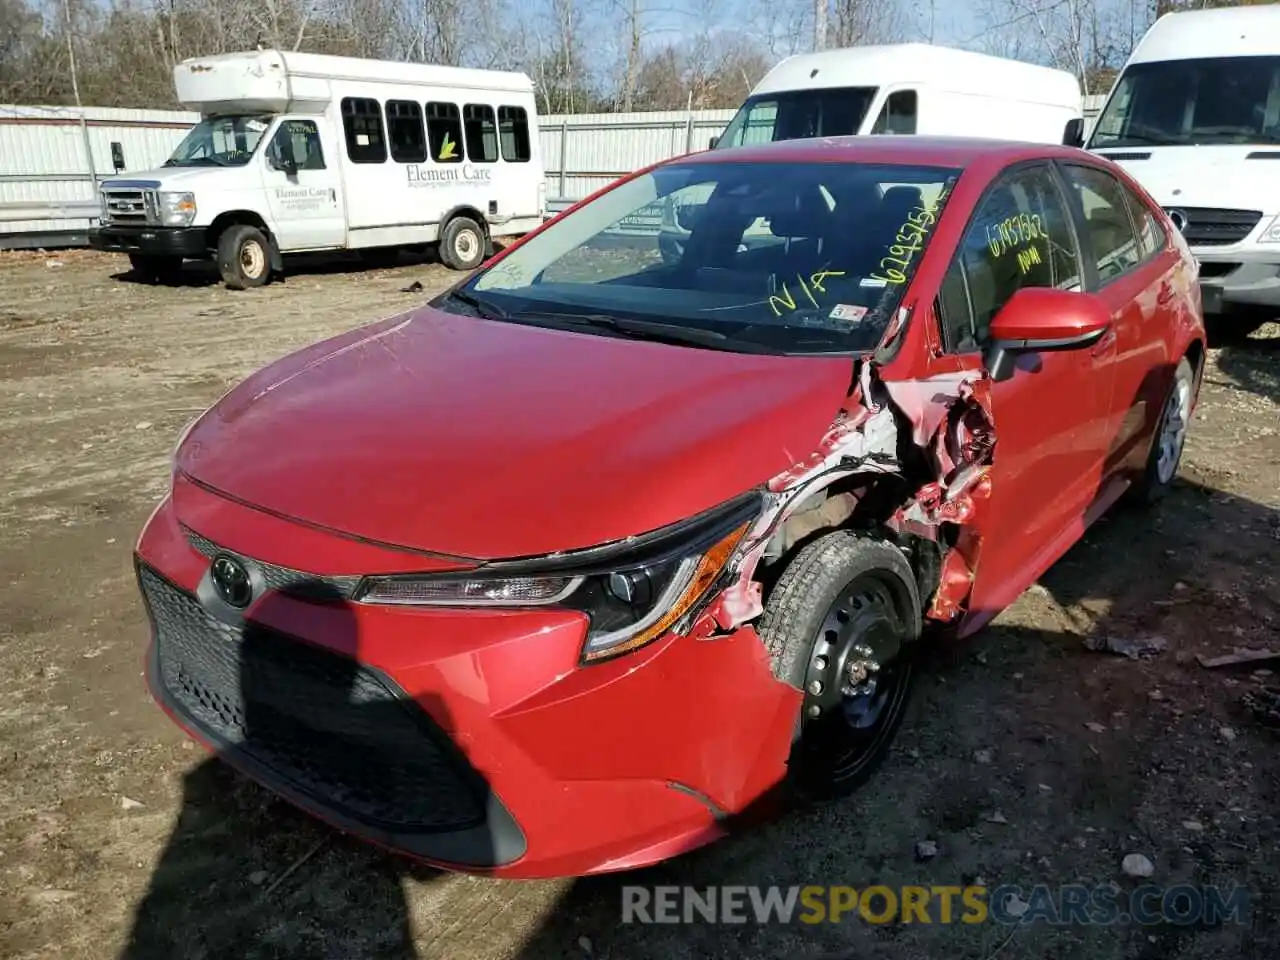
(959, 152)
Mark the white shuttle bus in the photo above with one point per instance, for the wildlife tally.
(301, 152)
(903, 89)
(1195, 118)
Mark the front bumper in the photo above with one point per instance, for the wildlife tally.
(149, 241)
(467, 738)
(1230, 283)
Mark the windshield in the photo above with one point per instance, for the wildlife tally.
(220, 141)
(1234, 100)
(798, 115)
(780, 258)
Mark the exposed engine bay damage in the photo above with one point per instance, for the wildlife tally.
(908, 462)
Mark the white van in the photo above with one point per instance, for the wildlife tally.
(301, 152)
(900, 88)
(909, 88)
(1195, 118)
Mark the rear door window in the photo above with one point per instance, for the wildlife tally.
(1110, 235)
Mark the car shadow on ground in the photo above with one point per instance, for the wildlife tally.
(1007, 721)
(245, 874)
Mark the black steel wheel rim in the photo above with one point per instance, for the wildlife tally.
(857, 677)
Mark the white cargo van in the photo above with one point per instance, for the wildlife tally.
(303, 152)
(1195, 118)
(900, 88)
(909, 88)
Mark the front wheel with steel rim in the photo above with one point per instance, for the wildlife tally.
(841, 626)
(244, 257)
(1168, 438)
(462, 244)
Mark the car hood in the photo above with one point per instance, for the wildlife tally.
(486, 439)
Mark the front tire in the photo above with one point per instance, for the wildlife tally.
(462, 245)
(1165, 455)
(244, 257)
(842, 626)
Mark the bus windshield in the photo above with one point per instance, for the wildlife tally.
(798, 115)
(220, 142)
(1217, 100)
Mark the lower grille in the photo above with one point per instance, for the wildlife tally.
(1209, 227)
(329, 727)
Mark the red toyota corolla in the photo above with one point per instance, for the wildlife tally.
(557, 574)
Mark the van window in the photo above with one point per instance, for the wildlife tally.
(898, 115)
(303, 141)
(482, 133)
(362, 124)
(1020, 236)
(1110, 231)
(444, 132)
(513, 125)
(797, 115)
(404, 131)
(1193, 102)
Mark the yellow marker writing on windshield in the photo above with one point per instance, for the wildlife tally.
(789, 302)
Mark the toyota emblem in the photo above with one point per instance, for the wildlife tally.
(231, 580)
(1179, 218)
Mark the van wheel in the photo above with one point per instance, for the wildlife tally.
(462, 244)
(244, 257)
(1167, 441)
(841, 626)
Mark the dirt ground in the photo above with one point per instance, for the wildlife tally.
(120, 839)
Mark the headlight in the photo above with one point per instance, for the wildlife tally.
(102, 203)
(632, 593)
(1272, 232)
(177, 209)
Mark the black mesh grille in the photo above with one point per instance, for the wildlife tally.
(1208, 227)
(282, 578)
(330, 727)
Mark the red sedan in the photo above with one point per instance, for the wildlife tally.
(556, 575)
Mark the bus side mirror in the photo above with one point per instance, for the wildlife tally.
(1073, 136)
(711, 145)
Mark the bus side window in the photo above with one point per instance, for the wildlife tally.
(444, 132)
(513, 132)
(482, 133)
(362, 124)
(404, 131)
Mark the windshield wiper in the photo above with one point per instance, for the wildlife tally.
(486, 309)
(654, 330)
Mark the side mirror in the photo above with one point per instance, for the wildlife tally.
(711, 144)
(1039, 319)
(117, 155)
(1073, 136)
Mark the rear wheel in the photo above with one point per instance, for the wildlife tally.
(244, 257)
(462, 245)
(841, 625)
(1169, 438)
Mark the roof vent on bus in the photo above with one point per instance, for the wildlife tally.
(813, 73)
